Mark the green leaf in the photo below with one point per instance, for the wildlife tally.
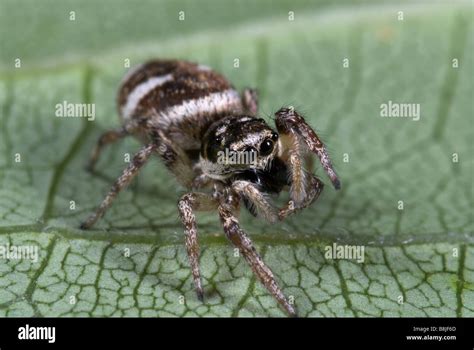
(418, 260)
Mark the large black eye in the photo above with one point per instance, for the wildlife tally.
(211, 147)
(250, 150)
(266, 147)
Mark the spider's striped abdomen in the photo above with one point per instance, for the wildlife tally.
(178, 97)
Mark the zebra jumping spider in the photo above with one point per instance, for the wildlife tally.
(190, 116)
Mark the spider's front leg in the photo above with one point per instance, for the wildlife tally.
(298, 137)
(238, 237)
(313, 188)
(256, 199)
(187, 205)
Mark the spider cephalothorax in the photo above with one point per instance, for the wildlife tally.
(237, 143)
(208, 136)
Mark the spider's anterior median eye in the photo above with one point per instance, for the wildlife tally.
(266, 147)
(250, 150)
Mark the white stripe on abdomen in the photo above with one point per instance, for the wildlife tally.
(217, 102)
(141, 91)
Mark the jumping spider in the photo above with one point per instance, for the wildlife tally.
(188, 114)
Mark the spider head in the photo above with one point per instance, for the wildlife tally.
(237, 143)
